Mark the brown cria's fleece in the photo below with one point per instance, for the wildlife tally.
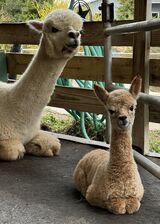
(111, 179)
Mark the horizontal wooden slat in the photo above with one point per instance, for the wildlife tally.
(76, 98)
(155, 40)
(80, 67)
(17, 63)
(85, 68)
(17, 33)
(89, 68)
(85, 100)
(93, 35)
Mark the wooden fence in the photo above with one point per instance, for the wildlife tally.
(92, 68)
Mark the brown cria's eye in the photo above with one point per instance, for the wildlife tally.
(54, 30)
(131, 108)
(111, 111)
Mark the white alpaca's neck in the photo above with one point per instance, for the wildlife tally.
(121, 147)
(38, 81)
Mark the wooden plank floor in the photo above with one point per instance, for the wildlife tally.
(41, 191)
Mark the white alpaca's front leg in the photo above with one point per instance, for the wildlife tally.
(43, 144)
(11, 149)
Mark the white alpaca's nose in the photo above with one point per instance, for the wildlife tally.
(73, 35)
(73, 41)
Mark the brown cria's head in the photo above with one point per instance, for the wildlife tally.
(120, 104)
(61, 33)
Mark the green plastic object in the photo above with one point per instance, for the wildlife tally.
(71, 4)
(3, 67)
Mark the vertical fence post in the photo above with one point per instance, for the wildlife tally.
(107, 18)
(141, 46)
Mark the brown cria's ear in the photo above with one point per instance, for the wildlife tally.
(135, 87)
(101, 93)
(35, 25)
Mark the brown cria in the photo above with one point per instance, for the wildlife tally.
(110, 179)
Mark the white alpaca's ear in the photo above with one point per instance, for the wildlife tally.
(35, 25)
(101, 93)
(135, 87)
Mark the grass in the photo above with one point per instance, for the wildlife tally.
(56, 122)
(61, 123)
(93, 134)
(154, 140)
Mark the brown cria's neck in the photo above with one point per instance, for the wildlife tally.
(121, 147)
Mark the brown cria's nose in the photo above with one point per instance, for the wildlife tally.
(122, 118)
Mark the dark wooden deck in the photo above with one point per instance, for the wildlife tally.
(41, 191)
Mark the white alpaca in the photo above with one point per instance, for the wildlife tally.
(23, 102)
(110, 179)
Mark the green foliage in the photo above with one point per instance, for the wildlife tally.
(23, 10)
(154, 140)
(17, 11)
(57, 123)
(97, 17)
(125, 10)
(43, 8)
(93, 133)
(60, 123)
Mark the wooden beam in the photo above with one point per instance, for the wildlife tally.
(76, 98)
(155, 40)
(84, 100)
(88, 68)
(141, 66)
(12, 33)
(82, 140)
(80, 67)
(17, 33)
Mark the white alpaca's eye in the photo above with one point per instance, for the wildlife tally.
(54, 30)
(81, 31)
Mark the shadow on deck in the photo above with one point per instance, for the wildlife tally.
(41, 191)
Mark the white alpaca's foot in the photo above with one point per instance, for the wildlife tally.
(11, 149)
(43, 144)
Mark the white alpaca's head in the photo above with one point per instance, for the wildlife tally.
(61, 33)
(120, 104)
